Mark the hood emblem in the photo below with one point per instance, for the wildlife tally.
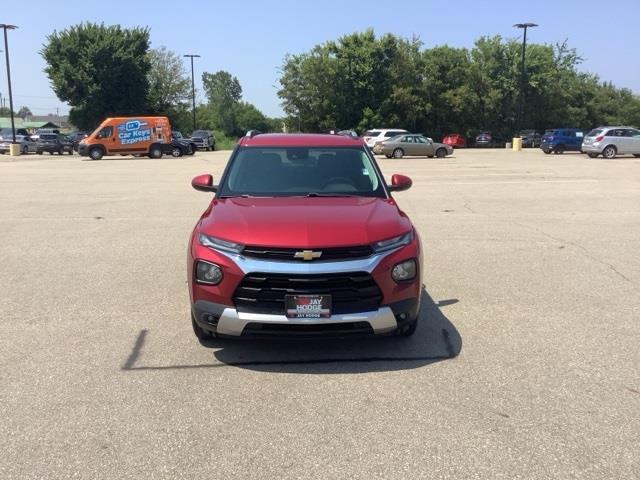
(307, 255)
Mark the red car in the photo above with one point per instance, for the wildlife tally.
(303, 237)
(455, 140)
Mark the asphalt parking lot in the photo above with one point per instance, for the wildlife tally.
(525, 364)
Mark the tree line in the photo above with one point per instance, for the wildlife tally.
(103, 71)
(359, 81)
(362, 81)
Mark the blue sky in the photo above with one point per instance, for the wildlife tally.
(250, 38)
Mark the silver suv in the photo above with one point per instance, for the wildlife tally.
(612, 141)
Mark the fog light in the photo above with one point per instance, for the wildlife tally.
(208, 273)
(404, 271)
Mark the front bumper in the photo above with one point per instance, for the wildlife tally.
(227, 321)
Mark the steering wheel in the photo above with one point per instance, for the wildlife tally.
(338, 180)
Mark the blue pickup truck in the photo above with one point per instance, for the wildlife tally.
(560, 140)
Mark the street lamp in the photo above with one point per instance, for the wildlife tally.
(6, 27)
(522, 72)
(193, 89)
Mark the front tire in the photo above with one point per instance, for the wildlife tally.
(609, 152)
(441, 153)
(96, 153)
(408, 330)
(176, 152)
(201, 334)
(398, 153)
(559, 149)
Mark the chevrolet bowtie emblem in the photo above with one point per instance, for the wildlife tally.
(307, 255)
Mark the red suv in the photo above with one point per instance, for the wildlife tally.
(303, 237)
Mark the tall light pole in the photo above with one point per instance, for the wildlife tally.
(193, 89)
(6, 27)
(523, 26)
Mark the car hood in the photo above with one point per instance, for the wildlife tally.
(304, 222)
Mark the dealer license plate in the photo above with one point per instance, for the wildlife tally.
(308, 306)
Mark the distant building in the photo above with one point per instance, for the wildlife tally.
(37, 121)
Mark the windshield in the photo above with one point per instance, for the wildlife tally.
(200, 133)
(295, 171)
(48, 136)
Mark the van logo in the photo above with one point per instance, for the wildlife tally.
(132, 125)
(307, 255)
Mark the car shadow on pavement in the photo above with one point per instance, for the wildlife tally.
(435, 340)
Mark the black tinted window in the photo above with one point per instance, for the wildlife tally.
(301, 171)
(106, 132)
(48, 136)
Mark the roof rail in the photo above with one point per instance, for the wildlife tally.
(252, 133)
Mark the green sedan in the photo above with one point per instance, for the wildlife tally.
(416, 145)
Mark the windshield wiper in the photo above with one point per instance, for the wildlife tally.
(244, 195)
(322, 194)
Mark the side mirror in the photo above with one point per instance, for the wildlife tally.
(400, 183)
(204, 183)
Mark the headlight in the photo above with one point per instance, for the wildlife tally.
(392, 243)
(208, 273)
(219, 244)
(404, 271)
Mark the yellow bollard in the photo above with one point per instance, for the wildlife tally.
(14, 149)
(517, 144)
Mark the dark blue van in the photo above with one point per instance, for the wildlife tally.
(560, 140)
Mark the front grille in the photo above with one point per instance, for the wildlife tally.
(311, 330)
(288, 254)
(350, 292)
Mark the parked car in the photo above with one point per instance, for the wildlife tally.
(344, 259)
(26, 144)
(612, 141)
(380, 134)
(178, 138)
(204, 139)
(488, 139)
(455, 140)
(530, 138)
(560, 140)
(127, 136)
(413, 144)
(7, 133)
(179, 146)
(76, 137)
(54, 143)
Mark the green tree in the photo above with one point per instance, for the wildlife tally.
(363, 81)
(24, 112)
(169, 86)
(223, 94)
(99, 70)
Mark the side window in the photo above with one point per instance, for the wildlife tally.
(408, 139)
(618, 132)
(633, 133)
(421, 140)
(106, 132)
(569, 133)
